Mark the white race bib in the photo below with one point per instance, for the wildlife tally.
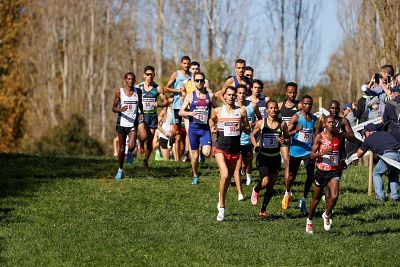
(270, 140)
(230, 129)
(201, 116)
(148, 104)
(331, 160)
(305, 135)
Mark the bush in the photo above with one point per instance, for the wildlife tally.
(69, 138)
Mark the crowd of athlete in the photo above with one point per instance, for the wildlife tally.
(246, 122)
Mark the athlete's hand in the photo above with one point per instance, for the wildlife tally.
(214, 130)
(257, 149)
(123, 108)
(299, 127)
(238, 126)
(328, 150)
(193, 113)
(156, 104)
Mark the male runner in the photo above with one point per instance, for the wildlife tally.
(274, 133)
(302, 124)
(127, 101)
(150, 92)
(330, 162)
(231, 120)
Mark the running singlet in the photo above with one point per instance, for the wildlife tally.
(287, 113)
(262, 105)
(127, 118)
(251, 116)
(202, 108)
(329, 162)
(228, 137)
(167, 124)
(177, 104)
(302, 140)
(189, 86)
(269, 142)
(248, 84)
(149, 98)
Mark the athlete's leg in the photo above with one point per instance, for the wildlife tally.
(143, 133)
(315, 201)
(237, 176)
(294, 164)
(116, 146)
(195, 162)
(121, 152)
(333, 187)
(310, 168)
(225, 179)
(285, 157)
(148, 147)
(269, 187)
(206, 150)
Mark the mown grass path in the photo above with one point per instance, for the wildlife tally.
(63, 211)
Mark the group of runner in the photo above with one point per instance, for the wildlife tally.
(247, 122)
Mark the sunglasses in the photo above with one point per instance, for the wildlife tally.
(199, 80)
(149, 74)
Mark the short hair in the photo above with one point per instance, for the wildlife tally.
(230, 88)
(291, 84)
(334, 102)
(241, 86)
(200, 73)
(149, 68)
(389, 69)
(272, 101)
(240, 61)
(329, 116)
(195, 63)
(185, 58)
(259, 83)
(306, 96)
(129, 73)
(249, 68)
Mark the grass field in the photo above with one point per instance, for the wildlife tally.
(62, 211)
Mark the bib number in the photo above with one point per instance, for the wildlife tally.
(305, 135)
(201, 116)
(148, 104)
(331, 160)
(230, 129)
(270, 140)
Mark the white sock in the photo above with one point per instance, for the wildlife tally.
(287, 193)
(119, 170)
(248, 175)
(309, 221)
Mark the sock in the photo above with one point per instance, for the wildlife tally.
(309, 221)
(119, 170)
(287, 193)
(248, 175)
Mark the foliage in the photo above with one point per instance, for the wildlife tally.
(69, 138)
(13, 86)
(70, 211)
(216, 71)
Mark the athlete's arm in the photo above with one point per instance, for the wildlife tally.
(245, 121)
(214, 103)
(285, 134)
(256, 111)
(163, 97)
(256, 130)
(185, 105)
(348, 131)
(170, 83)
(208, 87)
(314, 154)
(140, 105)
(294, 127)
(117, 98)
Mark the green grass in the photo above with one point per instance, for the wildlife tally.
(62, 211)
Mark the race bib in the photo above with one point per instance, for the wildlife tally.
(262, 111)
(148, 104)
(270, 140)
(201, 116)
(305, 135)
(230, 129)
(331, 160)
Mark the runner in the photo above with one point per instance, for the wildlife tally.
(288, 108)
(274, 133)
(200, 102)
(150, 92)
(175, 86)
(234, 81)
(330, 163)
(258, 97)
(127, 102)
(165, 131)
(246, 149)
(232, 120)
(302, 124)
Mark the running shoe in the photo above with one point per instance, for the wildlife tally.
(221, 214)
(240, 197)
(303, 206)
(286, 200)
(327, 222)
(119, 175)
(263, 213)
(130, 159)
(248, 179)
(309, 227)
(195, 180)
(254, 197)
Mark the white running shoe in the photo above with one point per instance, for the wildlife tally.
(221, 214)
(309, 227)
(240, 197)
(248, 179)
(327, 222)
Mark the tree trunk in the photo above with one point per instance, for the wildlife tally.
(160, 37)
(105, 72)
(91, 69)
(298, 15)
(282, 41)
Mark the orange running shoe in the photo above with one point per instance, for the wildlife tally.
(286, 200)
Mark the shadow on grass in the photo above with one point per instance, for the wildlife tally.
(383, 231)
